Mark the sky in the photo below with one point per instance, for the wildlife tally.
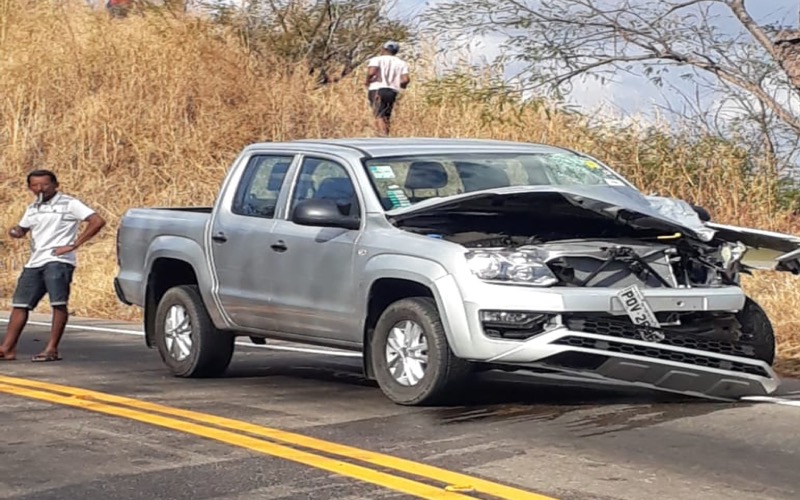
(629, 94)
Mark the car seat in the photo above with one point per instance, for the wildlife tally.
(425, 175)
(340, 190)
(477, 177)
(536, 170)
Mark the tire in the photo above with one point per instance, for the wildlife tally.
(197, 350)
(442, 374)
(757, 331)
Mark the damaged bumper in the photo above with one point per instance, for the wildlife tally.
(588, 334)
(645, 364)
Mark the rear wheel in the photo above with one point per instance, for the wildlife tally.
(411, 358)
(188, 342)
(757, 330)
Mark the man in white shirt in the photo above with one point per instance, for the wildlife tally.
(387, 75)
(53, 222)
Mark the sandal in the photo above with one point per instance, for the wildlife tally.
(45, 357)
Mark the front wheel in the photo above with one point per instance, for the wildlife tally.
(757, 330)
(188, 342)
(411, 358)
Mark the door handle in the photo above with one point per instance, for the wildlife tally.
(220, 237)
(279, 246)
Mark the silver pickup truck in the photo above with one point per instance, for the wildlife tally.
(436, 258)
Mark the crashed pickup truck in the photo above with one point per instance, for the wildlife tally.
(436, 257)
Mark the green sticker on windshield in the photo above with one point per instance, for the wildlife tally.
(398, 198)
(382, 172)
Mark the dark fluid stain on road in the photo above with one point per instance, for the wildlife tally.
(508, 397)
(587, 411)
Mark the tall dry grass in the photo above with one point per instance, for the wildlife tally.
(150, 111)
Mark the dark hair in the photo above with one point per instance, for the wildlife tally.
(42, 173)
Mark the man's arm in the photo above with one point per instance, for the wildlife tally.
(95, 224)
(404, 81)
(372, 75)
(18, 231)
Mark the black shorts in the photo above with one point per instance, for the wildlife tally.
(53, 278)
(382, 102)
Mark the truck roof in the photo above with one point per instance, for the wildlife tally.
(378, 147)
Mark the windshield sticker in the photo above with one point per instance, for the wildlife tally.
(382, 172)
(591, 164)
(398, 198)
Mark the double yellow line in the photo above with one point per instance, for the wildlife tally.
(417, 479)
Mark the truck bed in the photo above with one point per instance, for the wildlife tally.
(138, 230)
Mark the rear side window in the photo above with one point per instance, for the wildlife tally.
(257, 194)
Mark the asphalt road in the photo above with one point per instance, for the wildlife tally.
(557, 439)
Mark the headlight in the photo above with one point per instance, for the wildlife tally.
(526, 268)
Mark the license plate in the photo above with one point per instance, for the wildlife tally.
(639, 311)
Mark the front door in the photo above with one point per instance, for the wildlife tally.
(314, 286)
(240, 238)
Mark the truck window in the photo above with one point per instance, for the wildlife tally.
(257, 194)
(326, 180)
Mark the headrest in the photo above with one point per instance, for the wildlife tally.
(335, 188)
(476, 176)
(426, 175)
(276, 176)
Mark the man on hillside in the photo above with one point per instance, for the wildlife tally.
(387, 75)
(53, 221)
(119, 8)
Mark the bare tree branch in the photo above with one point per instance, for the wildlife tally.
(556, 41)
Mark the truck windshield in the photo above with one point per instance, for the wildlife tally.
(403, 181)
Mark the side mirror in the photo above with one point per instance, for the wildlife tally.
(323, 213)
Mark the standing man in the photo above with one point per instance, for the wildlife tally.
(387, 74)
(119, 8)
(53, 221)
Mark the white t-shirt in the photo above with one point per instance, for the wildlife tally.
(390, 69)
(53, 224)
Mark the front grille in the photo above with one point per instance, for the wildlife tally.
(654, 351)
(613, 327)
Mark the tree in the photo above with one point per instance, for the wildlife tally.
(332, 36)
(716, 45)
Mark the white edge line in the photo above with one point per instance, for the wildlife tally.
(756, 399)
(769, 399)
(308, 350)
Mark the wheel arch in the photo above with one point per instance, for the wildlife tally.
(164, 273)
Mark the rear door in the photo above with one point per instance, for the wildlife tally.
(240, 236)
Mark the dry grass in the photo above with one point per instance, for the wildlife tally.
(150, 111)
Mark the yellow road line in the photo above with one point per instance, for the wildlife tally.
(338, 467)
(454, 480)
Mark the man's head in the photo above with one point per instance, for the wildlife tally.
(391, 47)
(43, 182)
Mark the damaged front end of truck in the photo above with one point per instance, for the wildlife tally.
(644, 249)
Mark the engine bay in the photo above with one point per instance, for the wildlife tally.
(585, 250)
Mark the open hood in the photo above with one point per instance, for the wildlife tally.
(620, 203)
(625, 205)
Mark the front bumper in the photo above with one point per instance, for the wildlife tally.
(646, 364)
(688, 368)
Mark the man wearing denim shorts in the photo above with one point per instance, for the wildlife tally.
(53, 221)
